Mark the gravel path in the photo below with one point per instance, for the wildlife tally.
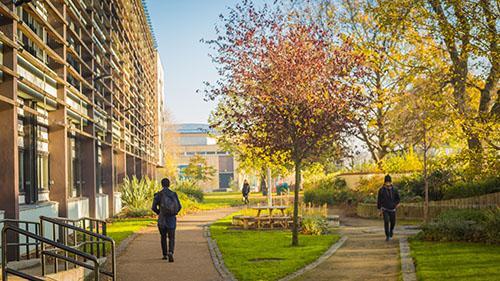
(364, 256)
(141, 260)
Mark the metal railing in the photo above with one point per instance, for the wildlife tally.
(89, 244)
(27, 244)
(67, 232)
(55, 245)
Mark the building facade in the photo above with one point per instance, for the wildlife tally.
(198, 139)
(78, 105)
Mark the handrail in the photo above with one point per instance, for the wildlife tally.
(66, 249)
(62, 224)
(93, 224)
(27, 244)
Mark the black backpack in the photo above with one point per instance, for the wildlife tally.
(169, 204)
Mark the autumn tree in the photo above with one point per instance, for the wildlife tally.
(198, 170)
(170, 146)
(424, 117)
(357, 22)
(286, 87)
(251, 159)
(467, 31)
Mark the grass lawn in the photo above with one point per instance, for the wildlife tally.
(266, 255)
(122, 228)
(456, 261)
(217, 200)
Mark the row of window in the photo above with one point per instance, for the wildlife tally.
(34, 157)
(190, 153)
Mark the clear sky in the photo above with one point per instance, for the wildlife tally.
(179, 25)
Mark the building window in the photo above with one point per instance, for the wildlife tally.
(98, 170)
(21, 171)
(75, 172)
(43, 171)
(33, 153)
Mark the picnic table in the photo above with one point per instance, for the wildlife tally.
(270, 209)
(260, 222)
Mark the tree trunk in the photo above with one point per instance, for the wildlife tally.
(426, 181)
(263, 181)
(295, 229)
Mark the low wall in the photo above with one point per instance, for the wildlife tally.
(32, 212)
(102, 206)
(416, 210)
(78, 207)
(118, 203)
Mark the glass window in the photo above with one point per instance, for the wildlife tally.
(75, 182)
(21, 171)
(43, 171)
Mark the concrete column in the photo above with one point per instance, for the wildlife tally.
(59, 159)
(89, 187)
(130, 166)
(138, 168)
(9, 177)
(107, 176)
(58, 132)
(120, 163)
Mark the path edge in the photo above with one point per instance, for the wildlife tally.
(326, 255)
(407, 264)
(216, 255)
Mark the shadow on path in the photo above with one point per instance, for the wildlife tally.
(364, 256)
(141, 261)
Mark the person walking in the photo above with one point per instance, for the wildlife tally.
(245, 191)
(387, 202)
(166, 205)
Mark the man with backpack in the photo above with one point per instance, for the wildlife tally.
(166, 205)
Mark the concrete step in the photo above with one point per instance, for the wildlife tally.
(33, 267)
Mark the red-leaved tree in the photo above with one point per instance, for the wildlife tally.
(284, 87)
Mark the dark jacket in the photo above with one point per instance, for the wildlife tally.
(164, 220)
(388, 198)
(246, 189)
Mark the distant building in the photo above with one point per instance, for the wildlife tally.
(198, 139)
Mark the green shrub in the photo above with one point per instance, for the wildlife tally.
(493, 226)
(327, 190)
(190, 189)
(469, 189)
(314, 225)
(468, 225)
(137, 195)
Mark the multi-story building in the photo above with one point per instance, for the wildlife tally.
(78, 105)
(198, 139)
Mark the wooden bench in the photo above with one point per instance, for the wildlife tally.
(283, 221)
(246, 221)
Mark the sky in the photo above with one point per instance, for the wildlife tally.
(179, 25)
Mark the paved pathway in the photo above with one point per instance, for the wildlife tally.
(364, 256)
(141, 261)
